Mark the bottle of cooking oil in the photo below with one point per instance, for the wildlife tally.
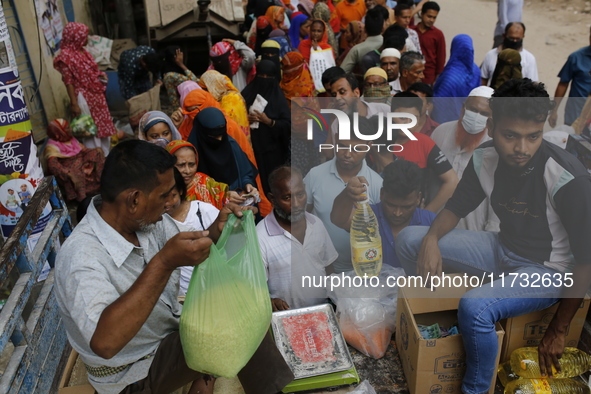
(506, 374)
(546, 386)
(524, 362)
(366, 243)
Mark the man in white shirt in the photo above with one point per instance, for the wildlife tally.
(458, 139)
(326, 181)
(294, 244)
(512, 39)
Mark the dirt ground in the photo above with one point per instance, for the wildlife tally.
(554, 29)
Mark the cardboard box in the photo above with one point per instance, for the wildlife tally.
(432, 365)
(65, 380)
(529, 329)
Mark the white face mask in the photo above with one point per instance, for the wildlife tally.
(473, 122)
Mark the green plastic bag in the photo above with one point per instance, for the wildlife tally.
(227, 309)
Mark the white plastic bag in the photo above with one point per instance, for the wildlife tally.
(364, 388)
(319, 61)
(84, 108)
(367, 315)
(259, 105)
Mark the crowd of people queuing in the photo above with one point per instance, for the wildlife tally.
(479, 168)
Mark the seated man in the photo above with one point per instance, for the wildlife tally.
(117, 280)
(425, 153)
(294, 243)
(542, 196)
(398, 208)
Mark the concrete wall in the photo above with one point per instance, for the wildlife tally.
(51, 88)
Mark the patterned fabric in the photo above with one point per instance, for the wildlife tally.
(185, 88)
(205, 188)
(79, 69)
(231, 101)
(284, 46)
(60, 136)
(322, 11)
(297, 81)
(133, 79)
(234, 58)
(172, 80)
(78, 175)
(104, 371)
(357, 34)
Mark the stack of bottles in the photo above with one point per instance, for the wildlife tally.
(521, 374)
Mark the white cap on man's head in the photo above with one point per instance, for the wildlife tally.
(390, 52)
(482, 91)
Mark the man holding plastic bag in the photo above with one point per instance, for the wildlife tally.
(117, 283)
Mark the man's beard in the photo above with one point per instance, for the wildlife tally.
(146, 227)
(285, 216)
(467, 141)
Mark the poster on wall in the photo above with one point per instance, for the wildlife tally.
(50, 22)
(20, 169)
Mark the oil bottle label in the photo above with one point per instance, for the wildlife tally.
(541, 386)
(366, 255)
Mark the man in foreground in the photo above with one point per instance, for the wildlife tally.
(117, 281)
(542, 196)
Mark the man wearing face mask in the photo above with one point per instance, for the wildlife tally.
(512, 39)
(458, 139)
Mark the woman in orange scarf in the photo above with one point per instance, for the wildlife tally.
(231, 101)
(276, 16)
(318, 39)
(354, 34)
(296, 81)
(198, 100)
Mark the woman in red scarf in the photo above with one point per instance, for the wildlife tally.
(81, 75)
(76, 168)
(318, 39)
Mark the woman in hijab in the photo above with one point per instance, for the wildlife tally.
(183, 89)
(270, 140)
(335, 21)
(322, 12)
(220, 156)
(299, 29)
(199, 100)
(318, 39)
(354, 34)
(271, 51)
(200, 187)
(157, 127)
(231, 101)
(280, 37)
(81, 75)
(296, 81)
(175, 73)
(76, 168)
(508, 67)
(259, 33)
(458, 78)
(234, 59)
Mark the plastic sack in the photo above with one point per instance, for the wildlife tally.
(83, 126)
(100, 49)
(227, 309)
(364, 388)
(367, 315)
(319, 61)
